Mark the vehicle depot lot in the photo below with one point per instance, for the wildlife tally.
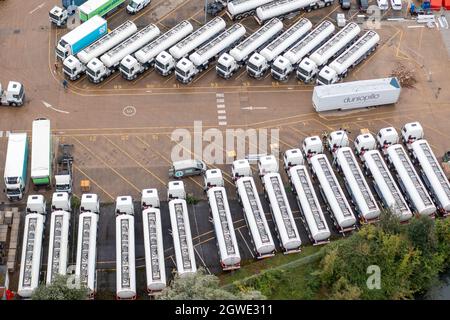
(121, 130)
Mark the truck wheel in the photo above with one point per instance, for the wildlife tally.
(14, 104)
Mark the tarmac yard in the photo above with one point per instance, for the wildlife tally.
(121, 130)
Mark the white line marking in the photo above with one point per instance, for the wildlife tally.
(221, 111)
(48, 105)
(220, 100)
(246, 244)
(219, 95)
(37, 8)
(222, 123)
(7, 134)
(222, 117)
(220, 106)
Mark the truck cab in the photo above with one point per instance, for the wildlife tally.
(185, 70)
(281, 68)
(312, 146)
(63, 176)
(124, 205)
(337, 139)
(241, 168)
(364, 142)
(386, 137)
(164, 63)
(36, 204)
(58, 16)
(61, 201)
(73, 68)
(175, 190)
(137, 5)
(327, 76)
(267, 164)
(96, 71)
(90, 203)
(411, 132)
(130, 67)
(257, 66)
(150, 198)
(213, 178)
(307, 70)
(292, 157)
(226, 66)
(185, 168)
(14, 95)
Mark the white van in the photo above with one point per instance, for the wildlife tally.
(396, 4)
(383, 4)
(185, 168)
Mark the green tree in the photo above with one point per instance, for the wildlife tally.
(60, 289)
(202, 286)
(443, 241)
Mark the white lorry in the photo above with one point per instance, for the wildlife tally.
(311, 146)
(287, 8)
(309, 67)
(58, 16)
(409, 181)
(253, 211)
(153, 241)
(166, 61)
(58, 248)
(125, 249)
(133, 65)
(260, 62)
(386, 137)
(16, 164)
(356, 94)
(286, 63)
(229, 63)
(87, 242)
(310, 209)
(411, 132)
(33, 233)
(75, 66)
(99, 69)
(238, 9)
(230, 258)
(41, 153)
(181, 229)
(187, 69)
(134, 6)
(14, 95)
(279, 204)
(350, 58)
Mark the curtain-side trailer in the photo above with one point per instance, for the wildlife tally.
(41, 153)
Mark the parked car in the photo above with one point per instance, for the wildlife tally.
(345, 4)
(383, 4)
(363, 5)
(396, 4)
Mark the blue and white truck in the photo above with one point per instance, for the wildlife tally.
(81, 37)
(16, 166)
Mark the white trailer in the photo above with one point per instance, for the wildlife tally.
(309, 67)
(58, 249)
(229, 63)
(33, 234)
(198, 61)
(238, 9)
(357, 185)
(287, 8)
(16, 164)
(286, 63)
(165, 61)
(153, 241)
(87, 242)
(131, 66)
(433, 175)
(350, 58)
(385, 186)
(74, 67)
(332, 194)
(230, 258)
(41, 153)
(356, 94)
(99, 69)
(260, 62)
(182, 238)
(409, 181)
(125, 249)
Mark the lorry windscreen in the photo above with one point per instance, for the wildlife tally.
(133, 4)
(63, 43)
(322, 80)
(54, 17)
(278, 70)
(12, 180)
(181, 72)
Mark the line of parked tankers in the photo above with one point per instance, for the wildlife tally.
(318, 53)
(406, 178)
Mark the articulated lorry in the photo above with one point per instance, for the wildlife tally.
(239, 9)
(81, 37)
(229, 63)
(16, 166)
(166, 61)
(41, 153)
(287, 8)
(350, 58)
(309, 67)
(133, 65)
(101, 8)
(187, 69)
(99, 69)
(75, 66)
(356, 94)
(14, 95)
(284, 64)
(261, 61)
